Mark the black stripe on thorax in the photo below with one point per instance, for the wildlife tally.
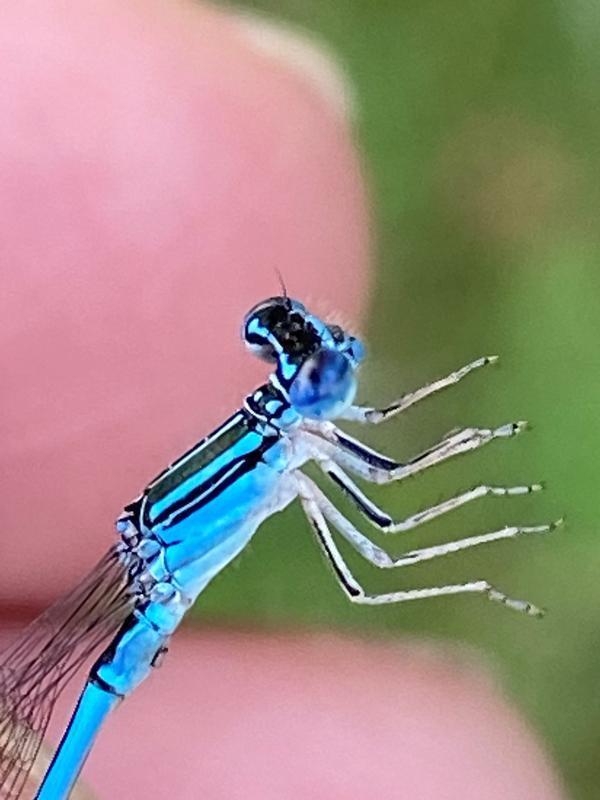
(200, 455)
(215, 486)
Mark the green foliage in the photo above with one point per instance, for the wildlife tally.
(479, 124)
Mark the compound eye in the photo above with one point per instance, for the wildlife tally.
(324, 385)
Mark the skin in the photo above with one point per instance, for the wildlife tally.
(157, 169)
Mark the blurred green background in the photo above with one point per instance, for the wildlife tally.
(479, 124)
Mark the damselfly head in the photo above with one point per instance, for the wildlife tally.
(315, 361)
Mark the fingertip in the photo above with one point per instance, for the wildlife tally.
(306, 714)
(176, 167)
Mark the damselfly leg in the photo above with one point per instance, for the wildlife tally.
(348, 452)
(313, 508)
(380, 558)
(335, 452)
(384, 522)
(376, 415)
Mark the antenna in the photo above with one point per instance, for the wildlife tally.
(281, 282)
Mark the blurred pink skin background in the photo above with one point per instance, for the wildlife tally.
(158, 166)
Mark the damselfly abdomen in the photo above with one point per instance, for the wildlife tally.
(202, 510)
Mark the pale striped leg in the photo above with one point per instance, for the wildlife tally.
(379, 558)
(325, 440)
(376, 415)
(355, 591)
(382, 520)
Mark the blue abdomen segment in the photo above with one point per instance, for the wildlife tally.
(128, 660)
(94, 705)
(120, 669)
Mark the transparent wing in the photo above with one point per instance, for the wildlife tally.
(35, 669)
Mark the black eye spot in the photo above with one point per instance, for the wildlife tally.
(314, 375)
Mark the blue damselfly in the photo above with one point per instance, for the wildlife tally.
(202, 510)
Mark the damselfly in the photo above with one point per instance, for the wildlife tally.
(202, 510)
